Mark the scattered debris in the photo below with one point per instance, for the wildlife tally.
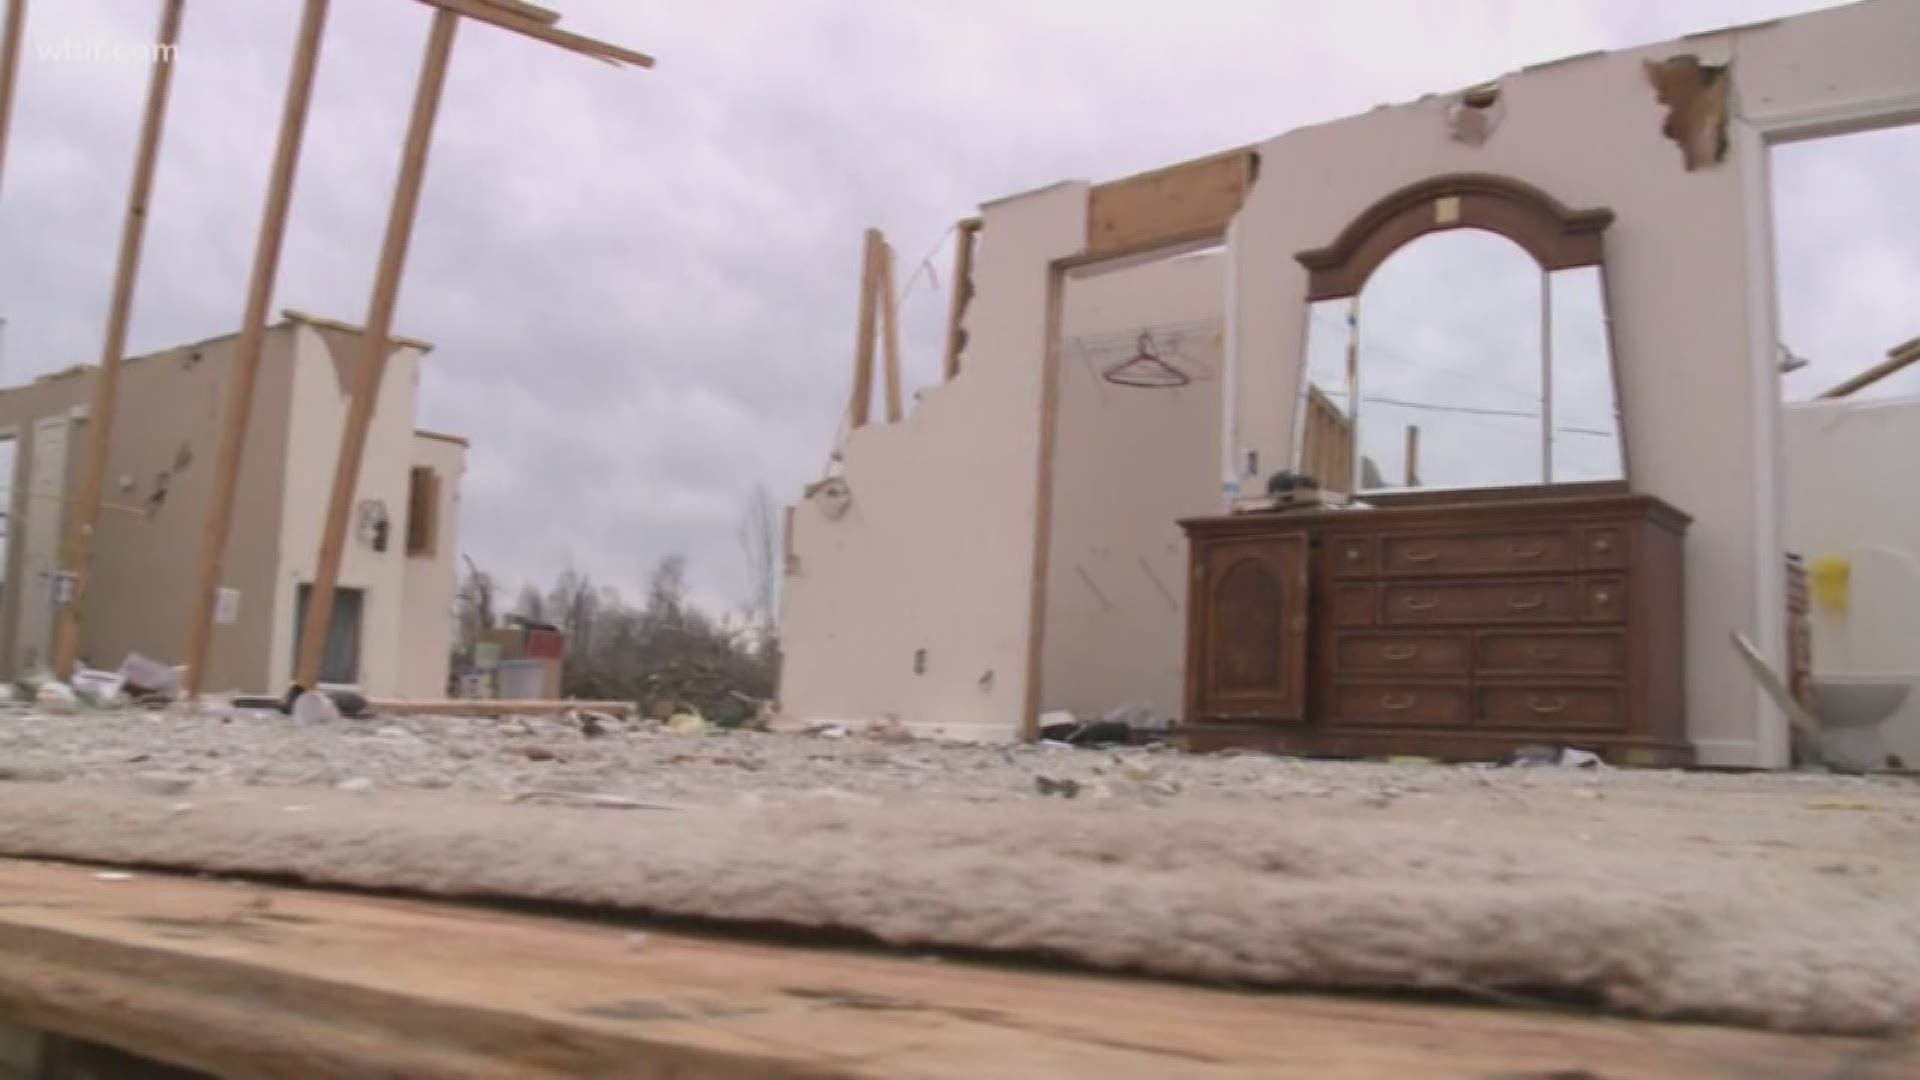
(163, 784)
(1842, 804)
(687, 723)
(56, 697)
(150, 680)
(358, 783)
(313, 707)
(100, 689)
(1047, 785)
(535, 753)
(112, 875)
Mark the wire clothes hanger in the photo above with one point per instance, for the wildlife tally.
(1145, 369)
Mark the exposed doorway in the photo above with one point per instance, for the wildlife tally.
(340, 657)
(1846, 231)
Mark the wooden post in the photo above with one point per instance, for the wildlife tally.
(861, 407)
(1413, 455)
(106, 387)
(11, 31)
(962, 294)
(1898, 357)
(890, 333)
(1043, 505)
(374, 342)
(246, 363)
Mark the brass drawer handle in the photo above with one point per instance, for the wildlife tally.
(1398, 653)
(1602, 597)
(1542, 652)
(1518, 604)
(1422, 556)
(1396, 702)
(1518, 552)
(1544, 709)
(1416, 603)
(1353, 554)
(1602, 544)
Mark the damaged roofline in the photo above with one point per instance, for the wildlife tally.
(295, 315)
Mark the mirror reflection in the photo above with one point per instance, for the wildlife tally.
(1461, 364)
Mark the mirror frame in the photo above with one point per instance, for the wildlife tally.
(1558, 238)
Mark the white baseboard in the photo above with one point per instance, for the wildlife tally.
(1727, 753)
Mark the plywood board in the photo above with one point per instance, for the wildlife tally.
(1168, 206)
(271, 982)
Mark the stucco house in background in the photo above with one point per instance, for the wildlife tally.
(393, 619)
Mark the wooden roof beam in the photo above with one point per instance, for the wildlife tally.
(538, 23)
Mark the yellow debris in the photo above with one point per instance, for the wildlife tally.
(1827, 579)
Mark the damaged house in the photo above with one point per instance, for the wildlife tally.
(392, 619)
(1524, 336)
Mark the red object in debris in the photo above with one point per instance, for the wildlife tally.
(545, 644)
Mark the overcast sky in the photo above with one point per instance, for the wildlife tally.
(641, 283)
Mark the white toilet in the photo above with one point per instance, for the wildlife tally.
(1853, 709)
(1866, 663)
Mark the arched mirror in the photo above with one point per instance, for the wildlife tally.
(1457, 338)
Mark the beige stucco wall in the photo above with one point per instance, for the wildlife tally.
(931, 555)
(1587, 131)
(322, 359)
(430, 580)
(1849, 493)
(1129, 463)
(935, 552)
(145, 562)
(141, 588)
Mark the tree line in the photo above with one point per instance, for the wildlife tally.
(664, 651)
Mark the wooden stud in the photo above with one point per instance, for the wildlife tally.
(11, 33)
(861, 407)
(246, 364)
(374, 341)
(538, 25)
(1413, 455)
(1043, 505)
(1898, 357)
(106, 390)
(962, 294)
(890, 333)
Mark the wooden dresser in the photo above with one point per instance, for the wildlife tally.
(1459, 631)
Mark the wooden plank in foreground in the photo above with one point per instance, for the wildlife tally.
(246, 980)
(488, 707)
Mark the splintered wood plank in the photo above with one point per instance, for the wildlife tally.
(242, 979)
(1175, 205)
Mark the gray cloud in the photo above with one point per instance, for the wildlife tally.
(642, 283)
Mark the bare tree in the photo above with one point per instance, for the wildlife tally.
(531, 606)
(759, 543)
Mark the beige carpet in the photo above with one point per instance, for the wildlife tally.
(1766, 903)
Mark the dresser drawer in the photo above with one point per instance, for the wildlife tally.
(1415, 706)
(1352, 555)
(1579, 652)
(1561, 708)
(1480, 602)
(1508, 552)
(1432, 654)
(1604, 600)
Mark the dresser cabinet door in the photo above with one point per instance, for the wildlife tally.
(1252, 631)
